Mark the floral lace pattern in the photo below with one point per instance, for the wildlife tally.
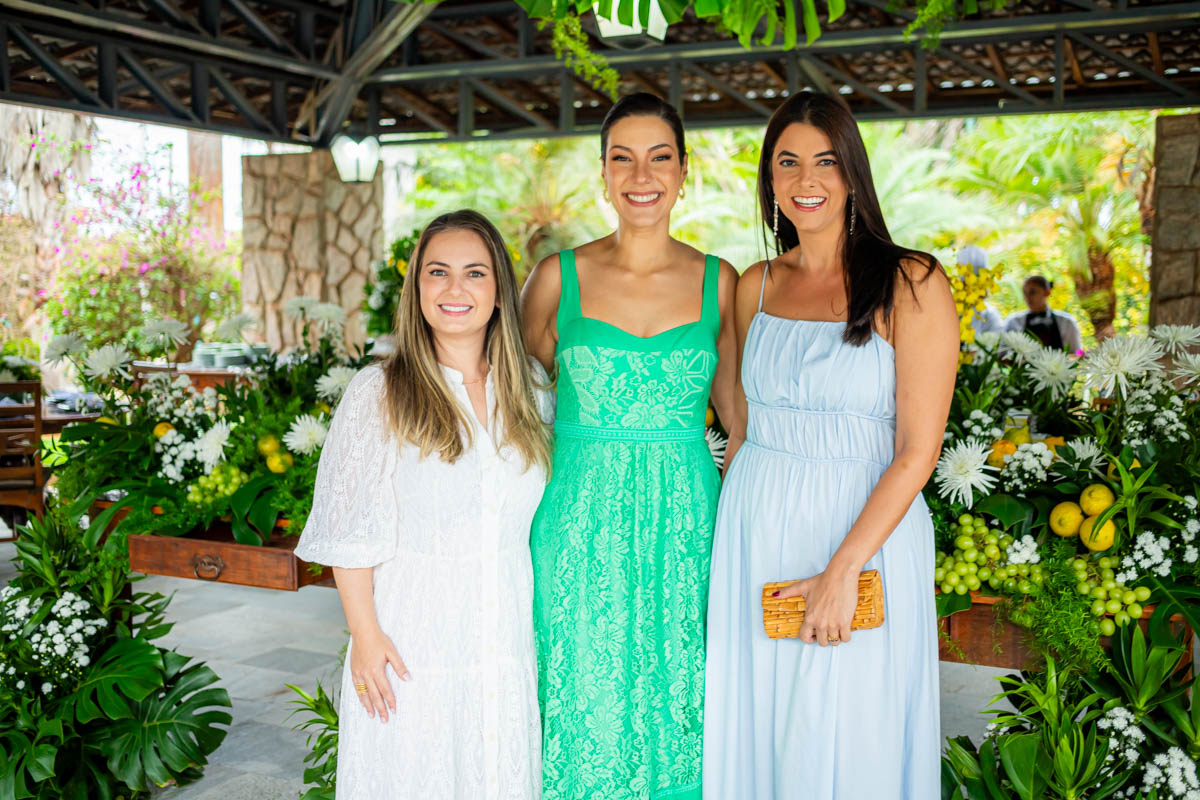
(621, 546)
(632, 389)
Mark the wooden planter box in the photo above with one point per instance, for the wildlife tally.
(975, 637)
(213, 555)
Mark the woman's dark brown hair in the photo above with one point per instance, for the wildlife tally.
(643, 104)
(871, 261)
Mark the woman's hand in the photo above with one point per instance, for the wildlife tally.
(369, 658)
(830, 601)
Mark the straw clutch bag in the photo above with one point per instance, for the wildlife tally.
(783, 616)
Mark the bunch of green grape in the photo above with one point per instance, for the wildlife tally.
(224, 480)
(981, 556)
(1114, 603)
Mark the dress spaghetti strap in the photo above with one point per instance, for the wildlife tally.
(763, 286)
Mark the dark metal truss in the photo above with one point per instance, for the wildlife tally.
(303, 70)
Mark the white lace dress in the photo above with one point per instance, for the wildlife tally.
(453, 590)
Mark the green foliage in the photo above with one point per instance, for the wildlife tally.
(382, 292)
(131, 715)
(321, 723)
(136, 251)
(571, 46)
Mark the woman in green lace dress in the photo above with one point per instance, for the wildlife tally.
(639, 328)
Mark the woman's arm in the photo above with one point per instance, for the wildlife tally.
(926, 353)
(725, 377)
(372, 650)
(539, 309)
(745, 306)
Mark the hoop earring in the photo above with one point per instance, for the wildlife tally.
(775, 223)
(853, 213)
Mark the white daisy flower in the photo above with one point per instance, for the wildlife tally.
(1020, 344)
(107, 361)
(210, 448)
(332, 384)
(306, 435)
(165, 333)
(328, 315)
(1176, 338)
(298, 307)
(231, 329)
(962, 470)
(716, 446)
(62, 346)
(1187, 367)
(1053, 371)
(1118, 360)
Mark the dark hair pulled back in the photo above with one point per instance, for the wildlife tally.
(642, 104)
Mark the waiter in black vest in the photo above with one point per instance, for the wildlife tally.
(1056, 329)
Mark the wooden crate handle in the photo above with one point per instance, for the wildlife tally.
(212, 566)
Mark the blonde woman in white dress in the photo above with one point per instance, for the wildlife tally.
(432, 470)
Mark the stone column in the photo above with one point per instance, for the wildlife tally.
(306, 233)
(1175, 242)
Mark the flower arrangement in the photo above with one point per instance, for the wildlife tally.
(382, 291)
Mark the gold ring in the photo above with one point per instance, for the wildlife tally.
(361, 688)
(833, 639)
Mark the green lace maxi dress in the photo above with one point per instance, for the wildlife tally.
(621, 546)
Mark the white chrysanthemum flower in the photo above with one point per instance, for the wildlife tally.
(1053, 371)
(62, 346)
(1118, 360)
(1187, 367)
(328, 315)
(1088, 455)
(210, 448)
(332, 385)
(306, 435)
(231, 330)
(962, 470)
(987, 340)
(107, 361)
(298, 307)
(1176, 338)
(716, 446)
(1020, 344)
(165, 333)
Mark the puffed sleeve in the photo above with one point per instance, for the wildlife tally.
(355, 516)
(546, 396)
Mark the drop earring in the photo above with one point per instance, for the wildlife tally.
(606, 193)
(775, 223)
(853, 213)
(682, 192)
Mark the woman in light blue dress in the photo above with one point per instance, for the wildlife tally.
(849, 349)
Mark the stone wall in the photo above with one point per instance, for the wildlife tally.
(306, 233)
(1175, 268)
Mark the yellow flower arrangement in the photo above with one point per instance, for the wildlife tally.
(971, 288)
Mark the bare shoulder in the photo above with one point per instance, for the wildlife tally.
(928, 282)
(751, 278)
(545, 279)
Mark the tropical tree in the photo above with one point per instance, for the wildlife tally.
(1069, 184)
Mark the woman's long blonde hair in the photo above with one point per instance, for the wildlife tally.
(421, 407)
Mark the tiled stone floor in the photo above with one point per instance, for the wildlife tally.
(258, 640)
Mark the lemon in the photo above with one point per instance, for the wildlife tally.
(1112, 469)
(709, 416)
(275, 463)
(106, 420)
(267, 445)
(1053, 442)
(1065, 519)
(162, 429)
(1000, 449)
(1019, 436)
(1095, 498)
(287, 458)
(1097, 540)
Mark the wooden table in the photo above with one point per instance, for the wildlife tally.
(53, 420)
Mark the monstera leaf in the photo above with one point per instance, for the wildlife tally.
(131, 669)
(170, 731)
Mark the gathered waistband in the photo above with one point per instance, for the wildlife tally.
(577, 430)
(821, 435)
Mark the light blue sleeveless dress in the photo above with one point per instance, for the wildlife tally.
(785, 720)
